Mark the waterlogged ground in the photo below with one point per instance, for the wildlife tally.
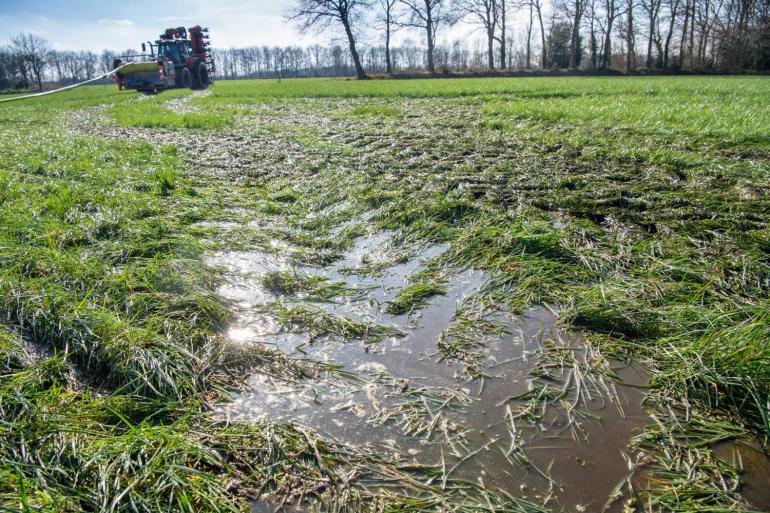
(470, 295)
(398, 396)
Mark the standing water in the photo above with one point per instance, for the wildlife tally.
(541, 422)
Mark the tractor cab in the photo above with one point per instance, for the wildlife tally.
(177, 52)
(175, 45)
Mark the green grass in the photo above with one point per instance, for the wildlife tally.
(637, 206)
(413, 296)
(309, 288)
(545, 88)
(318, 324)
(152, 115)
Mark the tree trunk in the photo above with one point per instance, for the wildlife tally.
(529, 40)
(388, 62)
(360, 73)
(59, 73)
(653, 16)
(490, 48)
(503, 63)
(667, 47)
(429, 35)
(573, 53)
(683, 42)
(544, 54)
(690, 47)
(630, 53)
(607, 47)
(607, 51)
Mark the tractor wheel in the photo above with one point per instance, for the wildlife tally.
(185, 79)
(201, 77)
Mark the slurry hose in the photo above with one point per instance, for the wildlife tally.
(59, 90)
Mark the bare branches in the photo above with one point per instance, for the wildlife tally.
(321, 14)
(429, 15)
(388, 17)
(33, 51)
(488, 15)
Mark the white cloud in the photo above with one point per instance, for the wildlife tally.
(117, 23)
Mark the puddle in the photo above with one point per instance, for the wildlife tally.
(756, 471)
(401, 400)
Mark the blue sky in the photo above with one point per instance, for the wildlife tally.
(117, 25)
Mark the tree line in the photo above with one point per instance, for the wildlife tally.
(335, 60)
(592, 35)
(28, 60)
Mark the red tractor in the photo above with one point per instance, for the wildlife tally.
(181, 58)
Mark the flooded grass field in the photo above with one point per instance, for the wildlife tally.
(498, 295)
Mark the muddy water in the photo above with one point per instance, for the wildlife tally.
(755, 466)
(409, 406)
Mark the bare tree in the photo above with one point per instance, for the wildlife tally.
(411, 54)
(538, 5)
(429, 15)
(501, 38)
(593, 29)
(485, 14)
(528, 58)
(576, 9)
(387, 17)
(630, 37)
(611, 13)
(683, 43)
(652, 9)
(12, 70)
(34, 51)
(320, 14)
(673, 6)
(593, 26)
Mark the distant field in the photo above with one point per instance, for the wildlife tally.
(444, 295)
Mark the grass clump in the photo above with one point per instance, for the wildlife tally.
(413, 297)
(166, 180)
(287, 196)
(433, 218)
(681, 447)
(319, 324)
(12, 354)
(374, 111)
(724, 365)
(615, 309)
(307, 287)
(474, 325)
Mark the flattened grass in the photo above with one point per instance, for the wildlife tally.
(307, 287)
(413, 296)
(317, 324)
